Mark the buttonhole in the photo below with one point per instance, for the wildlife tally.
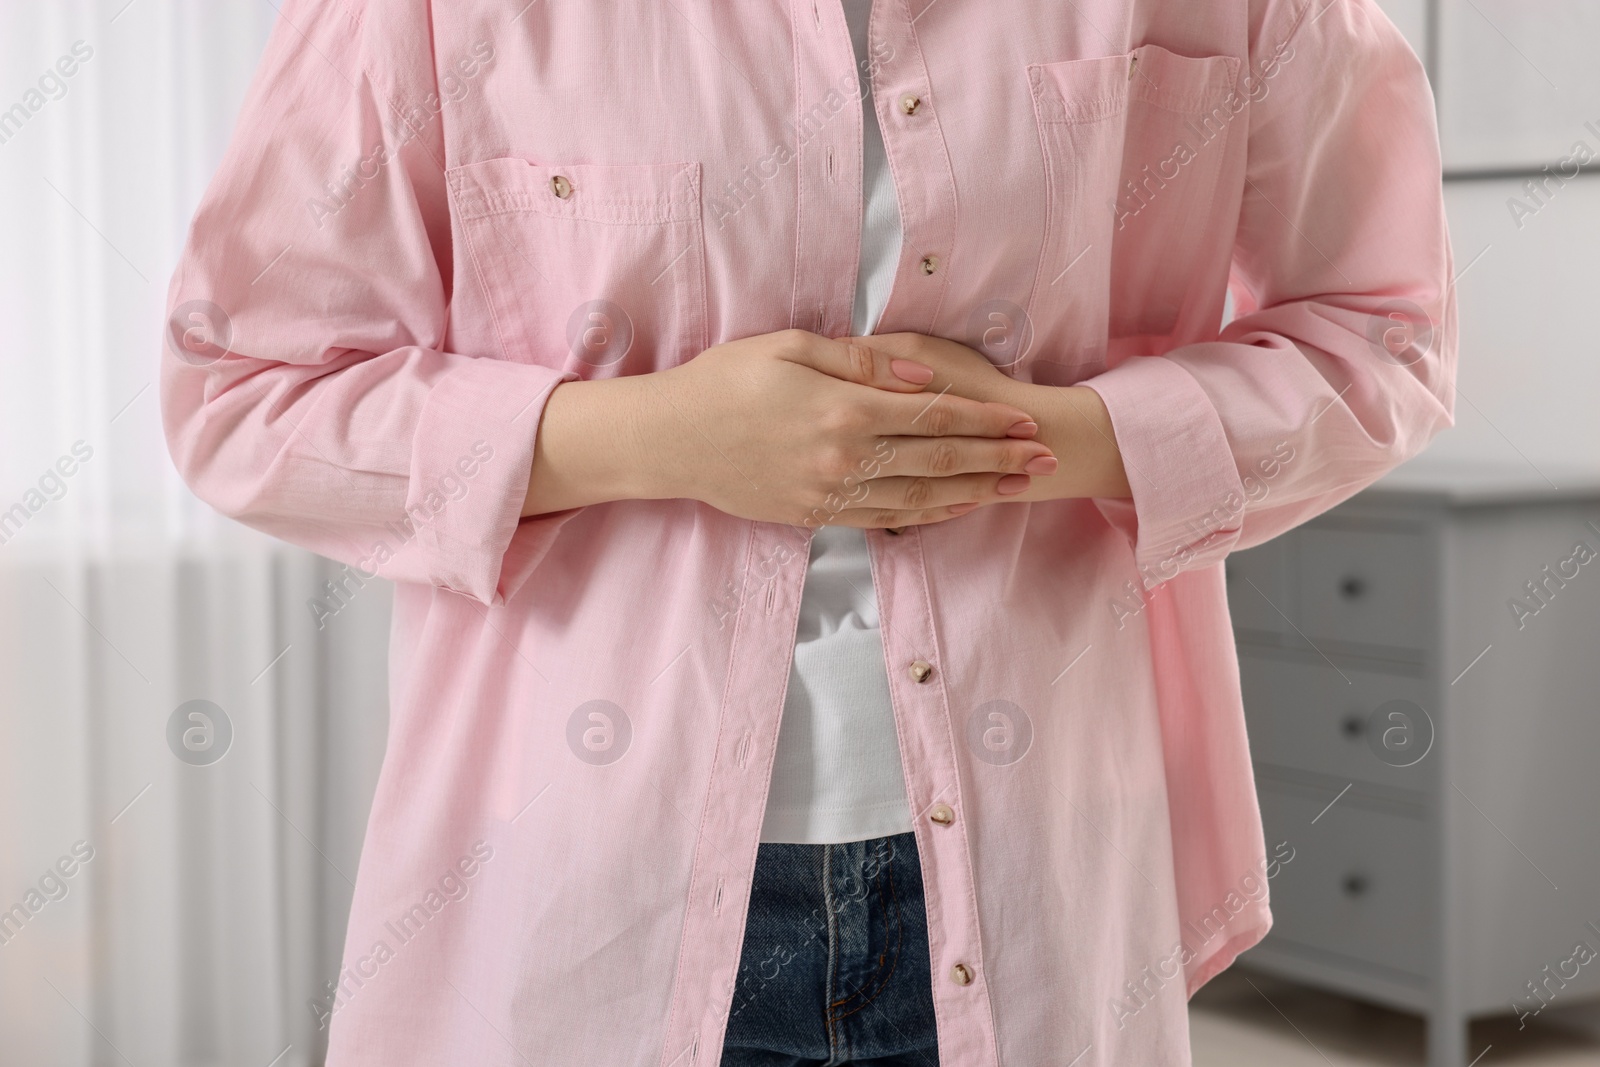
(716, 901)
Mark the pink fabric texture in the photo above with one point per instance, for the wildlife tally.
(433, 214)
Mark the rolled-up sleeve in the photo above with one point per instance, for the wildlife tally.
(306, 387)
(1340, 362)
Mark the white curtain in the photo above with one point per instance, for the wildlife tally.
(155, 908)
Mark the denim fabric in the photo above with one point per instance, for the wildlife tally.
(834, 968)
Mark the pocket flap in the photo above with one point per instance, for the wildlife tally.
(1080, 90)
(1181, 83)
(636, 194)
(1088, 90)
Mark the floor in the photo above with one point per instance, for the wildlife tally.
(1246, 1019)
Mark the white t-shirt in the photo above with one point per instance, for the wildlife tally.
(837, 775)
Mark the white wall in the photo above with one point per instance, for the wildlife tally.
(1529, 380)
(1517, 82)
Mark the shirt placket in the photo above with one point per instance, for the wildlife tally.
(828, 136)
(729, 824)
(827, 146)
(924, 182)
(918, 666)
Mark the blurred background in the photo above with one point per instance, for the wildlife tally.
(180, 908)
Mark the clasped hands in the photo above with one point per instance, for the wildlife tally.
(876, 432)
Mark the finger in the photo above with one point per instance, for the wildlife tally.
(897, 519)
(903, 351)
(852, 361)
(948, 415)
(943, 457)
(899, 345)
(915, 494)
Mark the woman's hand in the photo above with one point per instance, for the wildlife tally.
(1073, 421)
(786, 427)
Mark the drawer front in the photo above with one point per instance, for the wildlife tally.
(1365, 587)
(1258, 588)
(1307, 717)
(1359, 886)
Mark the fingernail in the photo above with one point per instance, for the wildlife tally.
(1040, 465)
(907, 371)
(1011, 484)
(962, 509)
(1026, 428)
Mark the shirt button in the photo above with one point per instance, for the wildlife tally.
(921, 670)
(961, 974)
(943, 814)
(930, 264)
(909, 103)
(561, 186)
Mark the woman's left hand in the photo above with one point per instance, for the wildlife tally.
(1073, 421)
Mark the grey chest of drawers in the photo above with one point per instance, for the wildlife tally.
(1421, 676)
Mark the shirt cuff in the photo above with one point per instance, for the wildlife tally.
(471, 457)
(1188, 500)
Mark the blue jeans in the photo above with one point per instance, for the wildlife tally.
(835, 967)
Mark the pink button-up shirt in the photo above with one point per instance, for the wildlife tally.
(433, 214)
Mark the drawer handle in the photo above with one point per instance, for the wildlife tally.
(1355, 885)
(1353, 726)
(1352, 587)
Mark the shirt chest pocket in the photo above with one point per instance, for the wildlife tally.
(595, 269)
(1133, 147)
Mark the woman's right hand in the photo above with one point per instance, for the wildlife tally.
(787, 427)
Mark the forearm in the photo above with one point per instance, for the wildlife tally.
(599, 441)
